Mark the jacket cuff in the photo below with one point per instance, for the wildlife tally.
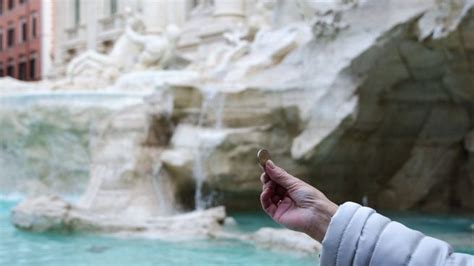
(333, 237)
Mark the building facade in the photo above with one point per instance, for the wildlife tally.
(26, 38)
(39, 37)
(82, 25)
(95, 25)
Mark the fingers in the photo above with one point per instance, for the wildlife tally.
(268, 192)
(266, 201)
(270, 185)
(280, 176)
(264, 178)
(272, 194)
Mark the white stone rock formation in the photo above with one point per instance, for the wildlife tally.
(46, 136)
(399, 82)
(284, 240)
(51, 213)
(276, 239)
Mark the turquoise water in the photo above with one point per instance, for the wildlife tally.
(23, 248)
(454, 229)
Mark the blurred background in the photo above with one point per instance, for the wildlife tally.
(129, 128)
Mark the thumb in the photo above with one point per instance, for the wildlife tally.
(279, 175)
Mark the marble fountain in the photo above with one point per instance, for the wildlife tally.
(157, 141)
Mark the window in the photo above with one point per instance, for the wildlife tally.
(11, 4)
(32, 67)
(11, 37)
(22, 70)
(70, 54)
(33, 25)
(22, 1)
(113, 7)
(107, 46)
(24, 31)
(77, 12)
(1, 7)
(10, 69)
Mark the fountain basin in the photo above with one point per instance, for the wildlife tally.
(51, 213)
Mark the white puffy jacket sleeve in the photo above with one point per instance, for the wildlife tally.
(359, 236)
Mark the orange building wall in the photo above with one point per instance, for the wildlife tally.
(21, 51)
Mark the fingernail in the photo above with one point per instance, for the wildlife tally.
(270, 164)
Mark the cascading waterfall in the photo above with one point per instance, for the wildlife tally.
(158, 183)
(97, 173)
(209, 95)
(155, 180)
(207, 141)
(219, 111)
(199, 177)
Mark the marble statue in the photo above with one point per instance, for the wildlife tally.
(91, 69)
(157, 51)
(268, 49)
(126, 45)
(215, 60)
(261, 17)
(133, 50)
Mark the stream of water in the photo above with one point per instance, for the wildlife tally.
(206, 143)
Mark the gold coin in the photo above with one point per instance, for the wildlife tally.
(263, 156)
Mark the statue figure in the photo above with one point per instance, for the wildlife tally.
(214, 60)
(126, 51)
(202, 8)
(133, 50)
(328, 25)
(157, 51)
(87, 68)
(261, 17)
(235, 48)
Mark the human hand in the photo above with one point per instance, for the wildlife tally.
(294, 203)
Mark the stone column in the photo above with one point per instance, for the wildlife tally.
(46, 38)
(89, 13)
(176, 12)
(154, 15)
(229, 9)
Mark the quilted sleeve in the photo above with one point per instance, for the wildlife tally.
(359, 236)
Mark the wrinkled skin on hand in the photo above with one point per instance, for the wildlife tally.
(294, 203)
